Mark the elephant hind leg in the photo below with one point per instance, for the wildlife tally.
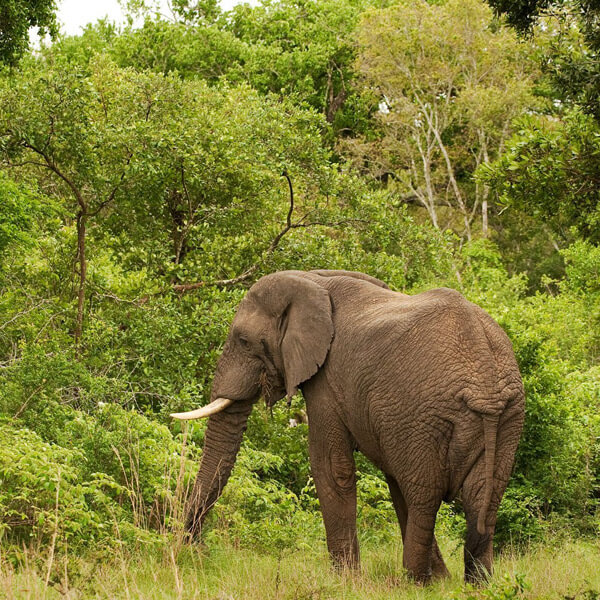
(439, 570)
(418, 542)
(437, 564)
(478, 552)
(479, 547)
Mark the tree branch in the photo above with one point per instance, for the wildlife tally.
(54, 168)
(289, 215)
(113, 192)
(248, 273)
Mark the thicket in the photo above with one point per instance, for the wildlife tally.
(145, 184)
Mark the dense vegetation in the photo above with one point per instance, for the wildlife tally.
(145, 179)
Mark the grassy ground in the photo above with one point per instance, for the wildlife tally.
(568, 569)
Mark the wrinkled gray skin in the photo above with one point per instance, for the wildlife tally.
(425, 386)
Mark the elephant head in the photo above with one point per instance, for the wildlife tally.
(279, 338)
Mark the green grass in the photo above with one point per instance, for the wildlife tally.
(565, 569)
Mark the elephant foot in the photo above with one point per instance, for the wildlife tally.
(421, 578)
(476, 574)
(439, 570)
(343, 560)
(436, 572)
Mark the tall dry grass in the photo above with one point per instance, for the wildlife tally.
(565, 569)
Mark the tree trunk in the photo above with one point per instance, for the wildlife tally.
(221, 444)
(178, 227)
(81, 232)
(433, 124)
(333, 101)
(486, 191)
(428, 200)
(484, 217)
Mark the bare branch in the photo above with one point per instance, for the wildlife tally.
(186, 287)
(23, 313)
(102, 292)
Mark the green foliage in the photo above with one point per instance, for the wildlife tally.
(310, 62)
(583, 269)
(519, 518)
(44, 494)
(508, 588)
(550, 169)
(259, 511)
(571, 57)
(17, 208)
(170, 142)
(102, 479)
(16, 17)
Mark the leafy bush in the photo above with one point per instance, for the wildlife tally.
(519, 517)
(46, 496)
(508, 588)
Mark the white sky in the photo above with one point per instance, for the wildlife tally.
(75, 14)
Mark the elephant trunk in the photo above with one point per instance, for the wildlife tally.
(221, 445)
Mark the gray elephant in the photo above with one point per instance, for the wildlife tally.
(426, 386)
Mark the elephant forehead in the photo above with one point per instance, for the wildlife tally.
(249, 318)
(264, 298)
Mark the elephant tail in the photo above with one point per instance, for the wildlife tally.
(490, 429)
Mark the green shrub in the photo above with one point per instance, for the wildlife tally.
(513, 587)
(44, 494)
(519, 517)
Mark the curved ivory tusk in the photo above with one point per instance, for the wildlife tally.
(206, 411)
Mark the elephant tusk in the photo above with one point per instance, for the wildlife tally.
(206, 411)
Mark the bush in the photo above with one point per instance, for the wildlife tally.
(46, 497)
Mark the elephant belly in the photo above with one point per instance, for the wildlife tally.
(429, 450)
(427, 442)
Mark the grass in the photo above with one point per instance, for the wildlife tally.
(568, 569)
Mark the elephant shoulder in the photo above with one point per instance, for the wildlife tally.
(442, 297)
(449, 294)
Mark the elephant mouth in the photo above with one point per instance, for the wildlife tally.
(271, 390)
(266, 388)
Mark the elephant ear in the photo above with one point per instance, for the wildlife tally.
(306, 330)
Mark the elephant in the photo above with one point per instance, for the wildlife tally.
(425, 386)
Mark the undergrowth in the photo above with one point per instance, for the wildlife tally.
(564, 570)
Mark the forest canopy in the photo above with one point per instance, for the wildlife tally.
(150, 174)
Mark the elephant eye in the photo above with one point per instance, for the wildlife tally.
(244, 343)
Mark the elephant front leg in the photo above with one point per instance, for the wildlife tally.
(334, 473)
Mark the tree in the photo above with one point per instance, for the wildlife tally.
(56, 126)
(16, 18)
(298, 48)
(291, 48)
(522, 14)
(448, 82)
(550, 170)
(571, 57)
(147, 162)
